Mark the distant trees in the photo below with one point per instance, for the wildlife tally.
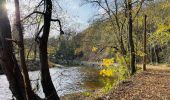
(158, 27)
(117, 19)
(66, 49)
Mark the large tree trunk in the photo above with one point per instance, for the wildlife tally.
(28, 89)
(48, 87)
(130, 36)
(7, 58)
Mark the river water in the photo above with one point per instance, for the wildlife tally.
(67, 80)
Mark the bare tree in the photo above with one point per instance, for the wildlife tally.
(30, 95)
(20, 84)
(46, 81)
(7, 58)
(130, 35)
(119, 12)
(114, 18)
(42, 40)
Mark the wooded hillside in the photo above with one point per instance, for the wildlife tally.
(101, 35)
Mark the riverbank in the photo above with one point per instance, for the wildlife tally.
(152, 84)
(33, 65)
(67, 80)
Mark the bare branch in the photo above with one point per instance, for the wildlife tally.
(39, 4)
(29, 51)
(141, 2)
(37, 35)
(59, 22)
(97, 2)
(35, 12)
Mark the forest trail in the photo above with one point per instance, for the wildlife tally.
(153, 84)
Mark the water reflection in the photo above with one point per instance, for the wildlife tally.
(67, 80)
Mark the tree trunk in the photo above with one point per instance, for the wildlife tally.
(130, 35)
(122, 47)
(35, 51)
(156, 50)
(28, 89)
(48, 87)
(144, 45)
(152, 55)
(7, 58)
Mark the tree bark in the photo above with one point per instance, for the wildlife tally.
(30, 95)
(156, 50)
(35, 52)
(48, 87)
(7, 58)
(130, 36)
(144, 45)
(122, 47)
(152, 55)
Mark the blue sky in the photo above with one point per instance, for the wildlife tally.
(78, 12)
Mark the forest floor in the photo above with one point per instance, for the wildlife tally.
(153, 84)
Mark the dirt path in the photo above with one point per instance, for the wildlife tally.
(153, 84)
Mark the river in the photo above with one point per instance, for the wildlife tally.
(67, 80)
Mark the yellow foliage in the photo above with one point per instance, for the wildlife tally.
(140, 53)
(120, 59)
(165, 5)
(108, 62)
(161, 35)
(113, 50)
(94, 49)
(106, 72)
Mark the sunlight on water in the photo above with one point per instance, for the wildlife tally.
(66, 80)
(5, 93)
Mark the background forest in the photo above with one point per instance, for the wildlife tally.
(101, 35)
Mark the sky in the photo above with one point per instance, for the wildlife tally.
(75, 14)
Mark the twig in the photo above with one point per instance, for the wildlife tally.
(35, 12)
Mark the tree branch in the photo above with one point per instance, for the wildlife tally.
(141, 2)
(59, 22)
(37, 35)
(35, 12)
